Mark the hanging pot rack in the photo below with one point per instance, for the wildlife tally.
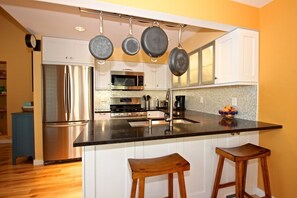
(135, 18)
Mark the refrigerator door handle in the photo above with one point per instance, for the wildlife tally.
(69, 91)
(66, 93)
(56, 125)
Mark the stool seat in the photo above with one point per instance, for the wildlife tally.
(240, 155)
(244, 152)
(169, 164)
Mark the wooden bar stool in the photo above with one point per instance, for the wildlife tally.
(169, 164)
(240, 155)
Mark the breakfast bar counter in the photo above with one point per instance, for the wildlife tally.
(120, 131)
(108, 144)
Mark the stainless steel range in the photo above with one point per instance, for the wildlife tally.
(126, 107)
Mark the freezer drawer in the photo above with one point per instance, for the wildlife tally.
(58, 142)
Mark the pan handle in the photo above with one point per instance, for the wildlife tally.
(179, 36)
(101, 23)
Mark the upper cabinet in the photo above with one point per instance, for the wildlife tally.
(155, 76)
(229, 60)
(126, 66)
(237, 57)
(66, 51)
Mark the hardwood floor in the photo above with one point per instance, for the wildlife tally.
(26, 180)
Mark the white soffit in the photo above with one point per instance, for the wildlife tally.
(254, 3)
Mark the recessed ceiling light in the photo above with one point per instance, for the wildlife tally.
(80, 28)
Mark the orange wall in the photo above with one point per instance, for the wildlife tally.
(221, 11)
(18, 57)
(278, 93)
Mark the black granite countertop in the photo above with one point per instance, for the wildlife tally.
(119, 131)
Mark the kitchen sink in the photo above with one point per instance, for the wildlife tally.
(144, 123)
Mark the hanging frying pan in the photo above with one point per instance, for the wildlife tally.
(100, 46)
(154, 41)
(130, 45)
(178, 58)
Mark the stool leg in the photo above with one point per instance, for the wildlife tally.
(170, 185)
(218, 177)
(182, 185)
(141, 187)
(133, 189)
(265, 177)
(239, 179)
(244, 175)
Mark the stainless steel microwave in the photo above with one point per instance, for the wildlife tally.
(123, 80)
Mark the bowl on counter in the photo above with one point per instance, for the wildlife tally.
(228, 112)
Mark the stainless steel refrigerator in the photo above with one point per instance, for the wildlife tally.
(67, 108)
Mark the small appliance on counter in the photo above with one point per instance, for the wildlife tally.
(162, 104)
(180, 103)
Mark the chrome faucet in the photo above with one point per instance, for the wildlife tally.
(169, 96)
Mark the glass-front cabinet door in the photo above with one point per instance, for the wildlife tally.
(207, 64)
(194, 68)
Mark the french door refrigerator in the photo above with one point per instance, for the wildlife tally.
(67, 108)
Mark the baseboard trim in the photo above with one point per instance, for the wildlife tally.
(38, 162)
(260, 192)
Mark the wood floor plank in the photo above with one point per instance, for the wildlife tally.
(26, 180)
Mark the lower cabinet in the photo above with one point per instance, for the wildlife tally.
(106, 172)
(22, 135)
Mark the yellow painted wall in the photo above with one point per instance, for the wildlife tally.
(278, 92)
(221, 11)
(13, 50)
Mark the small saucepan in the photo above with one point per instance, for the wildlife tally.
(154, 41)
(100, 46)
(178, 58)
(130, 45)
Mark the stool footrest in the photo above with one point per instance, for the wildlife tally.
(227, 184)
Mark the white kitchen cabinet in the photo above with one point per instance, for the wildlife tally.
(126, 66)
(110, 161)
(155, 76)
(237, 57)
(102, 75)
(102, 116)
(66, 51)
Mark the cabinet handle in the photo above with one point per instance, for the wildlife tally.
(215, 78)
(127, 69)
(66, 57)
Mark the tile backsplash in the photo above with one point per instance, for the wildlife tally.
(213, 99)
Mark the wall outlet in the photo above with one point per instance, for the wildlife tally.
(234, 101)
(201, 99)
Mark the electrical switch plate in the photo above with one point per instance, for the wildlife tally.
(201, 99)
(234, 101)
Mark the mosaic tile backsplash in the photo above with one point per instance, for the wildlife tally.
(213, 99)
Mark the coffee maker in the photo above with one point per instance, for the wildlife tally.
(180, 103)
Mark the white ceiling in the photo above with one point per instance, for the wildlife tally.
(59, 21)
(254, 3)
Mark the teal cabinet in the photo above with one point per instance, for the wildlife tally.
(22, 135)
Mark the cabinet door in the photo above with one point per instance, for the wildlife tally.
(102, 76)
(155, 76)
(81, 52)
(194, 68)
(161, 77)
(207, 64)
(149, 76)
(66, 51)
(54, 50)
(22, 135)
(184, 79)
(237, 57)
